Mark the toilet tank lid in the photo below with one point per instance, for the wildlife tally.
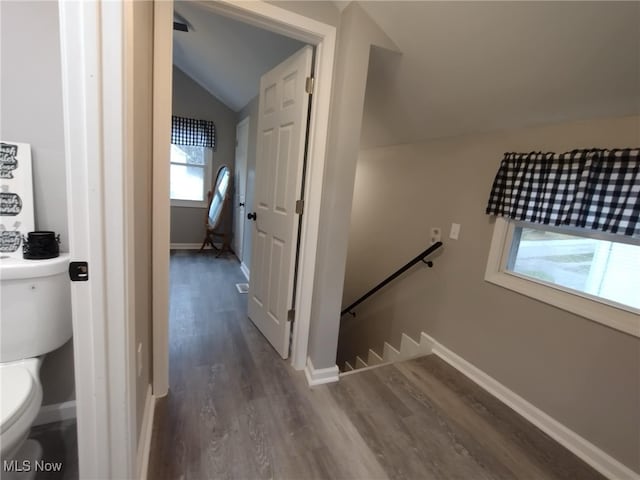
(16, 389)
(16, 268)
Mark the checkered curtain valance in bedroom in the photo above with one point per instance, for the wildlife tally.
(192, 132)
(595, 189)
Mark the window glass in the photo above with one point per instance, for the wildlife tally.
(187, 174)
(601, 268)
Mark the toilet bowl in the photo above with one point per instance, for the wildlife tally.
(21, 400)
(35, 318)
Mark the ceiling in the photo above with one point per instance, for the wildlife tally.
(465, 67)
(470, 67)
(224, 56)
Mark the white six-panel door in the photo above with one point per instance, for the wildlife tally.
(282, 128)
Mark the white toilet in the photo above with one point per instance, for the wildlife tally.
(35, 318)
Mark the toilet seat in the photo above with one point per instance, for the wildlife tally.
(18, 392)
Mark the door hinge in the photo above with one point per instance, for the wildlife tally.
(309, 85)
(299, 206)
(291, 315)
(79, 271)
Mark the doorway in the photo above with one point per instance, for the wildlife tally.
(240, 191)
(309, 228)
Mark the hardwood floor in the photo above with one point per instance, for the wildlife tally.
(237, 410)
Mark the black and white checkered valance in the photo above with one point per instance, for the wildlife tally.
(192, 132)
(595, 189)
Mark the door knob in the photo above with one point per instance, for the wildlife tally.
(251, 216)
(241, 204)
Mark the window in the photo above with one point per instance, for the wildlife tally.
(192, 144)
(190, 175)
(567, 232)
(604, 269)
(592, 275)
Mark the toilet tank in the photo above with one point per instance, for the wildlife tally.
(35, 306)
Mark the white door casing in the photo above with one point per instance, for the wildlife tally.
(282, 127)
(240, 186)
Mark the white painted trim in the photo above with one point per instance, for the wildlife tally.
(55, 412)
(278, 20)
(360, 363)
(188, 246)
(373, 358)
(594, 310)
(322, 375)
(582, 448)
(245, 271)
(355, 370)
(408, 347)
(146, 433)
(94, 79)
(389, 353)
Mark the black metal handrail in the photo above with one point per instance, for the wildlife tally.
(393, 276)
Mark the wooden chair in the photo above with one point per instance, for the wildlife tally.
(217, 200)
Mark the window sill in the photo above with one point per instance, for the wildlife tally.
(617, 317)
(189, 203)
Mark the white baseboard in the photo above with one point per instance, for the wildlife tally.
(321, 375)
(390, 354)
(582, 448)
(188, 246)
(373, 358)
(56, 412)
(144, 441)
(245, 270)
(360, 363)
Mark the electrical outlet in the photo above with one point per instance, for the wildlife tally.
(455, 231)
(436, 235)
(139, 359)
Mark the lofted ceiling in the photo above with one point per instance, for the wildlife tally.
(465, 67)
(470, 67)
(224, 56)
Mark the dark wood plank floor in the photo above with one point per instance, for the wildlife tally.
(236, 410)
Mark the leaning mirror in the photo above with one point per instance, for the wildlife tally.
(218, 199)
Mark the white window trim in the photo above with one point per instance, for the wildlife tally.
(624, 319)
(208, 159)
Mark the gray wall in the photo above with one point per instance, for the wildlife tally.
(31, 100)
(250, 110)
(191, 100)
(142, 135)
(356, 34)
(583, 374)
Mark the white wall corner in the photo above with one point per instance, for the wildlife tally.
(579, 446)
(146, 430)
(56, 412)
(321, 375)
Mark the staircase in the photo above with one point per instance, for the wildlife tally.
(409, 348)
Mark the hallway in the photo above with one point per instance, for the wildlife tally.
(235, 409)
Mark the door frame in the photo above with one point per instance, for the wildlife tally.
(284, 22)
(96, 82)
(239, 254)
